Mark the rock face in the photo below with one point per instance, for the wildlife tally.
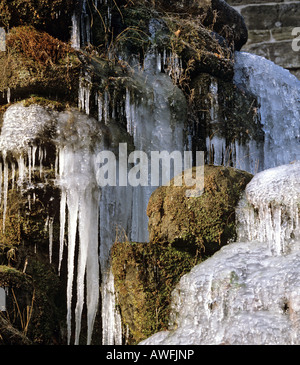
(248, 292)
(270, 27)
(35, 63)
(223, 19)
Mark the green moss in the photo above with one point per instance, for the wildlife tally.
(47, 103)
(48, 315)
(204, 223)
(36, 63)
(10, 277)
(145, 275)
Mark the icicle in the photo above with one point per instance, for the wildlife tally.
(84, 221)
(1, 181)
(56, 163)
(87, 261)
(174, 67)
(51, 220)
(22, 170)
(13, 175)
(75, 37)
(84, 95)
(79, 202)
(29, 201)
(85, 25)
(159, 62)
(8, 95)
(63, 201)
(5, 192)
(72, 202)
(114, 105)
(128, 112)
(34, 149)
(106, 107)
(100, 107)
(40, 154)
(92, 273)
(29, 155)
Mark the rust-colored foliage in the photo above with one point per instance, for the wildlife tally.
(38, 46)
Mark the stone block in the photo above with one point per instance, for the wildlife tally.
(250, 2)
(271, 16)
(280, 53)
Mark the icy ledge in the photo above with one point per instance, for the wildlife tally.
(248, 292)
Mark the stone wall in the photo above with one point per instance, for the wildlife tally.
(270, 24)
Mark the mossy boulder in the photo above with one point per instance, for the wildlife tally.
(204, 223)
(33, 305)
(183, 232)
(145, 275)
(36, 63)
(215, 14)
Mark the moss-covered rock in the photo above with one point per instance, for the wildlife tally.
(33, 305)
(204, 223)
(145, 275)
(214, 14)
(36, 63)
(183, 232)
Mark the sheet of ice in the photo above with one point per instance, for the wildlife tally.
(26, 123)
(278, 93)
(241, 295)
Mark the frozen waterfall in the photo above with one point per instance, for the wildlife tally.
(248, 292)
(278, 93)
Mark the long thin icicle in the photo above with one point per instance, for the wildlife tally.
(72, 201)
(5, 192)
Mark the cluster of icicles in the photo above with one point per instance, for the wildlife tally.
(79, 205)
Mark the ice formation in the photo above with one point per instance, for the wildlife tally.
(218, 299)
(90, 213)
(248, 292)
(277, 91)
(269, 212)
(77, 138)
(278, 95)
